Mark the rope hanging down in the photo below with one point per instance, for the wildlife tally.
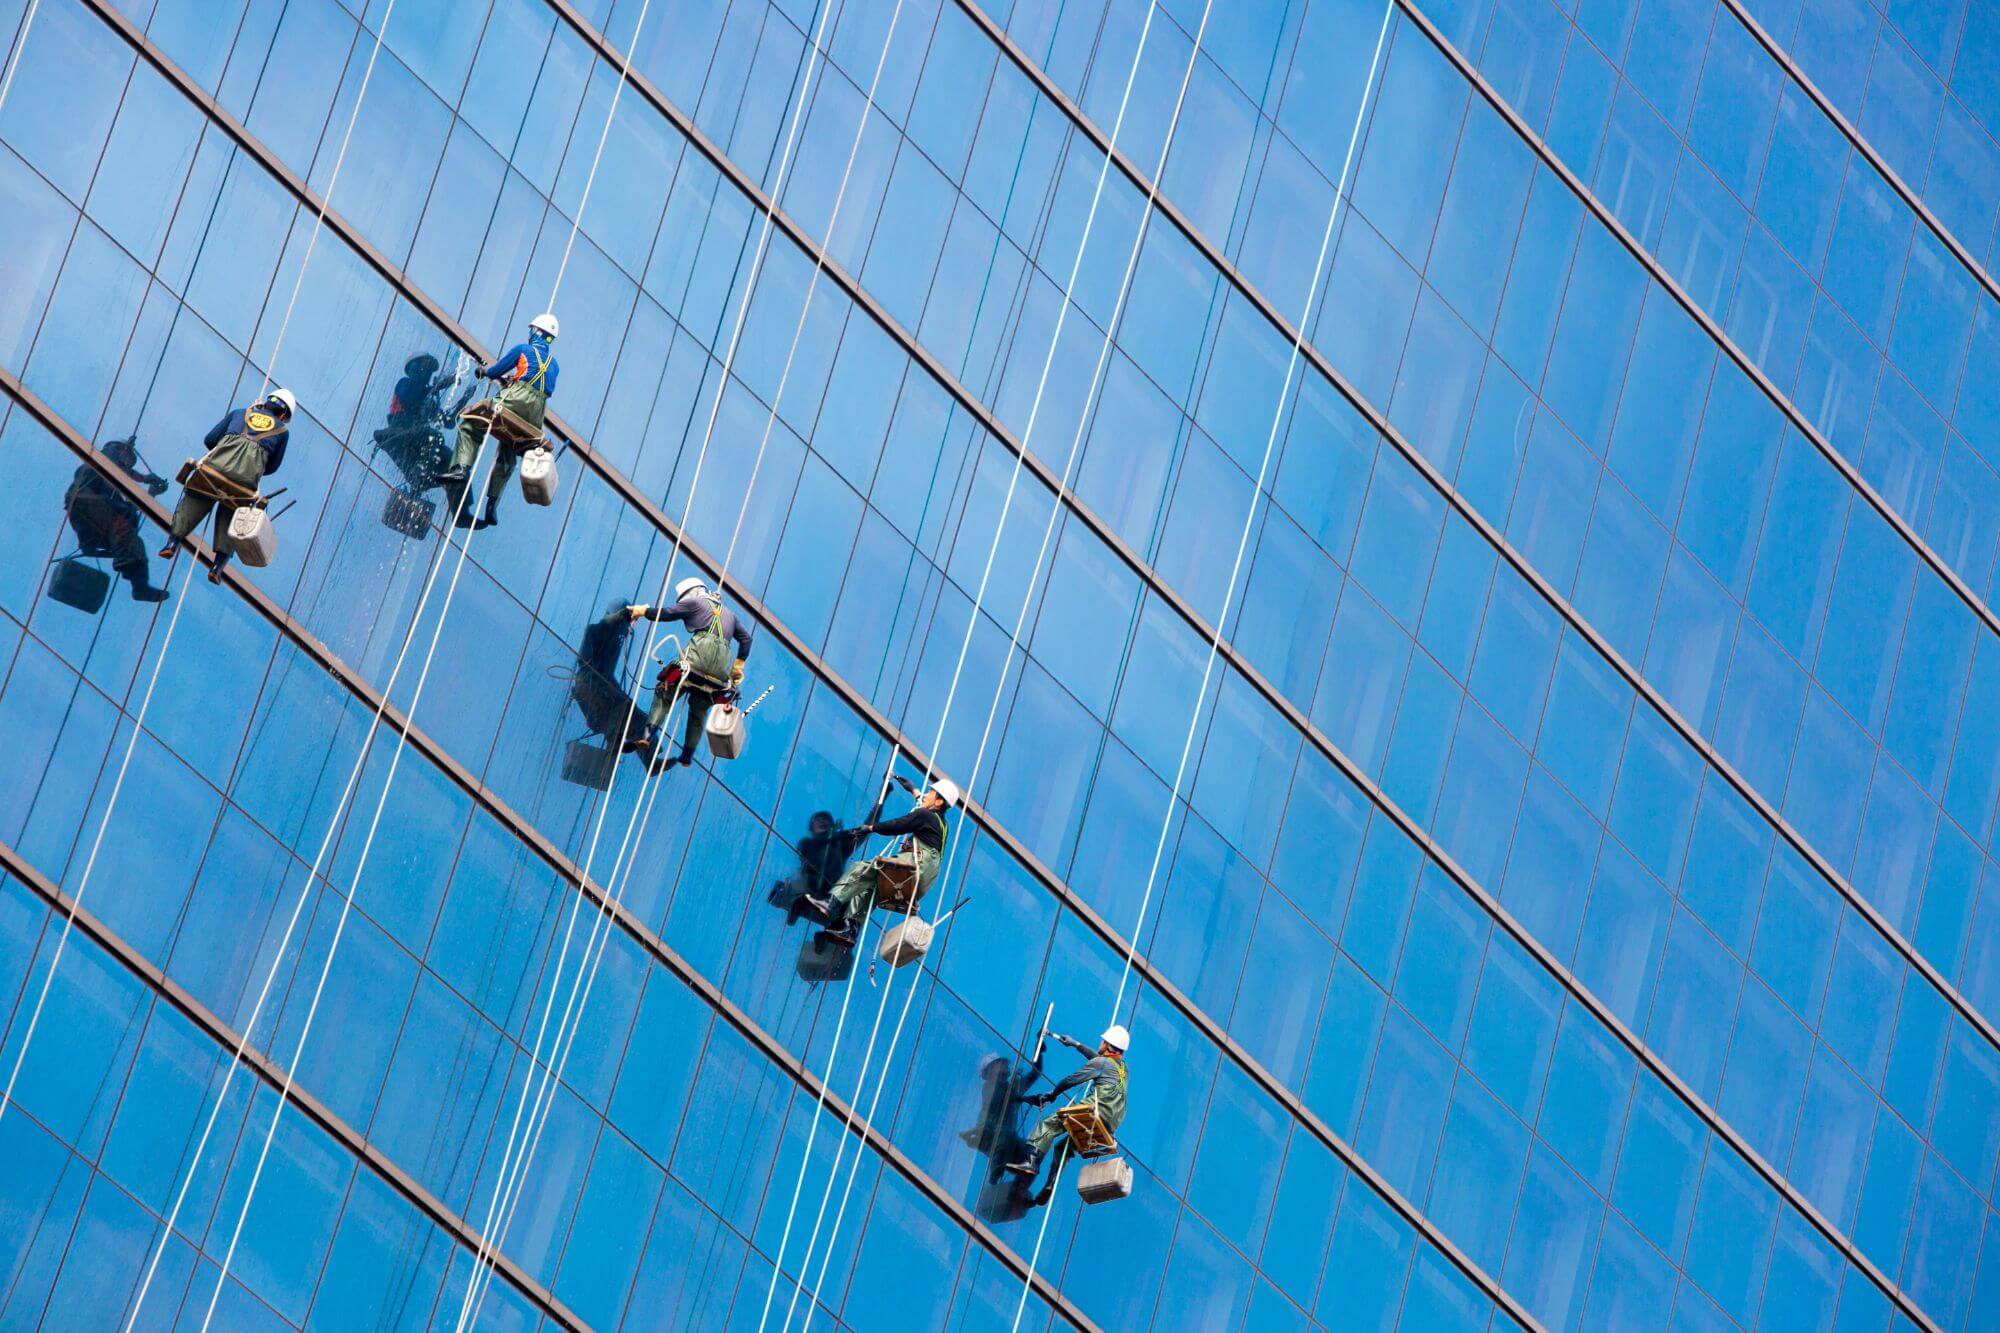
(335, 822)
(159, 661)
(539, 1085)
(1236, 570)
(1035, 572)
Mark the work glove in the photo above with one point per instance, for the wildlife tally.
(1039, 1099)
(637, 612)
(904, 783)
(736, 672)
(866, 830)
(157, 486)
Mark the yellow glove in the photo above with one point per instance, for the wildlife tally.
(736, 672)
(637, 612)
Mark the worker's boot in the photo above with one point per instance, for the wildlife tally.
(492, 515)
(146, 592)
(215, 566)
(823, 910)
(1028, 1167)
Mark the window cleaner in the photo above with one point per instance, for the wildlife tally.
(706, 673)
(106, 523)
(527, 375)
(1088, 1122)
(244, 447)
(896, 881)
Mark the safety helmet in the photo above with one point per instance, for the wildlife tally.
(947, 789)
(692, 584)
(423, 363)
(544, 323)
(122, 451)
(1116, 1037)
(284, 399)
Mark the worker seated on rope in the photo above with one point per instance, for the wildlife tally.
(413, 436)
(245, 447)
(1104, 1075)
(527, 374)
(706, 670)
(853, 898)
(106, 520)
(607, 709)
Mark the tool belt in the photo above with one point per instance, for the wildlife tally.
(197, 476)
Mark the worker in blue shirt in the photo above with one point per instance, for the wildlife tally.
(244, 447)
(527, 374)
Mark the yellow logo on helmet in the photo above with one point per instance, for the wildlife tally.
(259, 421)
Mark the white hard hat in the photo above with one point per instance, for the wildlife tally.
(1116, 1037)
(947, 789)
(694, 583)
(544, 323)
(285, 396)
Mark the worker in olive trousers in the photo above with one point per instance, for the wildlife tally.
(527, 375)
(853, 898)
(1103, 1073)
(710, 666)
(244, 447)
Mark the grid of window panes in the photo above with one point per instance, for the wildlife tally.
(1293, 916)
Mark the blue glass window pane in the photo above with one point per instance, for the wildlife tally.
(1699, 983)
(1363, 1287)
(1555, 1231)
(1480, 1164)
(1659, 1165)
(1513, 1029)
(1590, 1082)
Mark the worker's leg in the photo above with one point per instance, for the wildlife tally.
(698, 702)
(1044, 1135)
(128, 558)
(855, 893)
(472, 428)
(188, 514)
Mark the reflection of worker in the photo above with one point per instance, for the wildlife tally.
(106, 521)
(710, 666)
(923, 834)
(823, 855)
(607, 709)
(243, 448)
(413, 437)
(1103, 1073)
(527, 374)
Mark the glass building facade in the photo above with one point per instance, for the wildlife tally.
(1576, 908)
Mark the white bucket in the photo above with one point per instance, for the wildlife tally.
(905, 942)
(728, 731)
(254, 539)
(538, 476)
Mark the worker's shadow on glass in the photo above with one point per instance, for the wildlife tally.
(105, 521)
(614, 721)
(823, 853)
(1000, 1136)
(424, 408)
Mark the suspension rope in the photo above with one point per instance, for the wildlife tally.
(512, 1168)
(1256, 494)
(167, 641)
(402, 738)
(1041, 1234)
(1242, 545)
(594, 946)
(1027, 600)
(20, 46)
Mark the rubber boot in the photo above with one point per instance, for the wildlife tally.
(1027, 1168)
(491, 517)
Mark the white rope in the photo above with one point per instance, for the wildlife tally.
(1027, 600)
(1242, 544)
(20, 46)
(402, 739)
(536, 1103)
(1256, 494)
(174, 620)
(1041, 1234)
(96, 843)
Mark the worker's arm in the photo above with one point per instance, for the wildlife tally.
(679, 611)
(741, 633)
(917, 821)
(509, 359)
(274, 450)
